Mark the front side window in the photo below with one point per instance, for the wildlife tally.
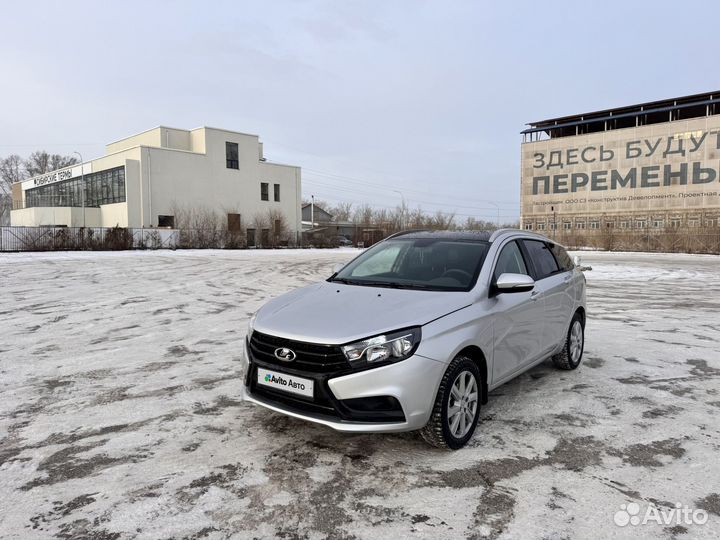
(437, 264)
(561, 256)
(231, 155)
(542, 258)
(263, 191)
(510, 261)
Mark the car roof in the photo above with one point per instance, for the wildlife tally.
(472, 235)
(478, 236)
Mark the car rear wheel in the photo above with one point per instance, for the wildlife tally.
(457, 406)
(571, 355)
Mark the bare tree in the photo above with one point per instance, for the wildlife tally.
(59, 162)
(41, 162)
(277, 223)
(341, 211)
(260, 224)
(442, 221)
(11, 171)
(363, 214)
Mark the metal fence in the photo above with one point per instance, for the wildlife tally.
(85, 238)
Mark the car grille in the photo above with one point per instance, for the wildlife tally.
(310, 357)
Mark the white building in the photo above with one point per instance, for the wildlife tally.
(146, 179)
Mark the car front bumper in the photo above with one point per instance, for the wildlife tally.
(412, 382)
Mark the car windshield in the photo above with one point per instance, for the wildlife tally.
(438, 264)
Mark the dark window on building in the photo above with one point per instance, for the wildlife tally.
(166, 221)
(561, 256)
(276, 192)
(510, 261)
(103, 187)
(250, 238)
(264, 191)
(278, 227)
(542, 258)
(234, 224)
(231, 155)
(265, 237)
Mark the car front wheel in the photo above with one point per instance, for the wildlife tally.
(457, 406)
(571, 354)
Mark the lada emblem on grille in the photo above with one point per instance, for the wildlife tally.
(284, 354)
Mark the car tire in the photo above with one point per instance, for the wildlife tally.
(571, 354)
(444, 430)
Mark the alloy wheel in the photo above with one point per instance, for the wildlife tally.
(576, 341)
(463, 404)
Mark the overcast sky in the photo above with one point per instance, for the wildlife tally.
(427, 98)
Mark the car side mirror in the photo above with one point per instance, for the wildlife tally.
(579, 266)
(512, 283)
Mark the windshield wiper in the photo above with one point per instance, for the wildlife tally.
(346, 281)
(387, 284)
(406, 285)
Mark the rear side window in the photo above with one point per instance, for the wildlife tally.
(562, 257)
(542, 258)
(510, 261)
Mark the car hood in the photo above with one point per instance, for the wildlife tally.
(335, 313)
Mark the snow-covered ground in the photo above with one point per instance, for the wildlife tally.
(120, 417)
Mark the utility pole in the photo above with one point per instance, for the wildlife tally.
(497, 223)
(402, 208)
(82, 188)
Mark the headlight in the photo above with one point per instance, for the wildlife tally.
(385, 348)
(251, 324)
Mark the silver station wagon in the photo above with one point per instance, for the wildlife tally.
(416, 331)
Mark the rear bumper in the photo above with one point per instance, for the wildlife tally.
(412, 382)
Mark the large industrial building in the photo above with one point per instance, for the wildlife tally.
(146, 179)
(652, 167)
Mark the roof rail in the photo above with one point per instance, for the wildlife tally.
(531, 234)
(402, 233)
(498, 232)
